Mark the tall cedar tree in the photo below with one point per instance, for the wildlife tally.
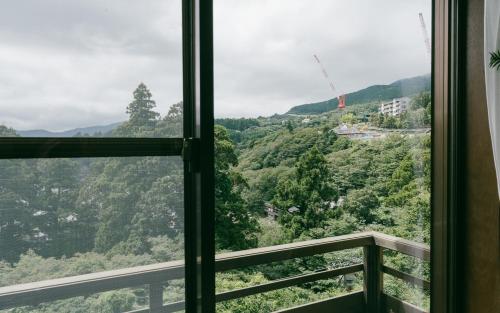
(141, 109)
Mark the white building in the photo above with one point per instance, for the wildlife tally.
(395, 107)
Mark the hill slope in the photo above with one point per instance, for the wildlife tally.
(91, 130)
(400, 88)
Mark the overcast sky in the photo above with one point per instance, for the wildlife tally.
(67, 64)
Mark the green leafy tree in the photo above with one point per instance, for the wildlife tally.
(235, 227)
(7, 132)
(15, 225)
(349, 118)
(362, 203)
(58, 185)
(171, 125)
(390, 122)
(114, 218)
(17, 192)
(375, 119)
(404, 173)
(310, 190)
(422, 100)
(160, 209)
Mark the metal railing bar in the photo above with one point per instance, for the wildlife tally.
(155, 297)
(167, 308)
(62, 288)
(31, 148)
(391, 304)
(251, 257)
(287, 282)
(82, 285)
(350, 303)
(404, 246)
(418, 282)
(271, 286)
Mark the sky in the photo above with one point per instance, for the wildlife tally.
(67, 64)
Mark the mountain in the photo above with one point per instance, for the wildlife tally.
(91, 130)
(401, 88)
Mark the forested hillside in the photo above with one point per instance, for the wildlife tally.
(65, 217)
(401, 88)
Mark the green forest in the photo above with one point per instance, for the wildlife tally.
(64, 217)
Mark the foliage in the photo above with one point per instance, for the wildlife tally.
(309, 192)
(237, 123)
(348, 118)
(67, 217)
(7, 132)
(235, 226)
(141, 109)
(362, 203)
(417, 115)
(376, 93)
(495, 60)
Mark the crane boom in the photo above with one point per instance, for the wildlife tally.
(341, 98)
(424, 32)
(325, 74)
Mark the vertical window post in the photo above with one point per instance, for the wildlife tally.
(199, 160)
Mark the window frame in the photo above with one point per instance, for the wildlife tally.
(448, 133)
(198, 168)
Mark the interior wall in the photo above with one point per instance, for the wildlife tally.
(482, 220)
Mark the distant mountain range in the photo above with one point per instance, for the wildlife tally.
(91, 130)
(401, 88)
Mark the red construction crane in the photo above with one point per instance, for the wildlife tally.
(341, 98)
(341, 102)
(424, 32)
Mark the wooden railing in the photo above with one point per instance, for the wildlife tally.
(371, 299)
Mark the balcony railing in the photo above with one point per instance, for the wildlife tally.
(371, 299)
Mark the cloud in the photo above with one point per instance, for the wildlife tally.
(263, 50)
(66, 64)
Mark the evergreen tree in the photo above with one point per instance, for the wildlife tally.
(235, 228)
(57, 187)
(309, 190)
(17, 196)
(7, 132)
(141, 109)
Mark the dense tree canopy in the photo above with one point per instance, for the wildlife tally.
(63, 217)
(304, 199)
(235, 226)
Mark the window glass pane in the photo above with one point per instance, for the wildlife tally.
(69, 217)
(108, 68)
(323, 128)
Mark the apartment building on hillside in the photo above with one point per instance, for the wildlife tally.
(395, 107)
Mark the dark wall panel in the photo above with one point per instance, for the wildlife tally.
(482, 264)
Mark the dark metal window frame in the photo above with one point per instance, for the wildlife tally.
(448, 133)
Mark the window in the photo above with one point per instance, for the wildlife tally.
(92, 179)
(324, 110)
(308, 146)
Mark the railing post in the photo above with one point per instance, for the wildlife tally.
(155, 298)
(373, 279)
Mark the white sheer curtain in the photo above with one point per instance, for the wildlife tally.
(492, 43)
